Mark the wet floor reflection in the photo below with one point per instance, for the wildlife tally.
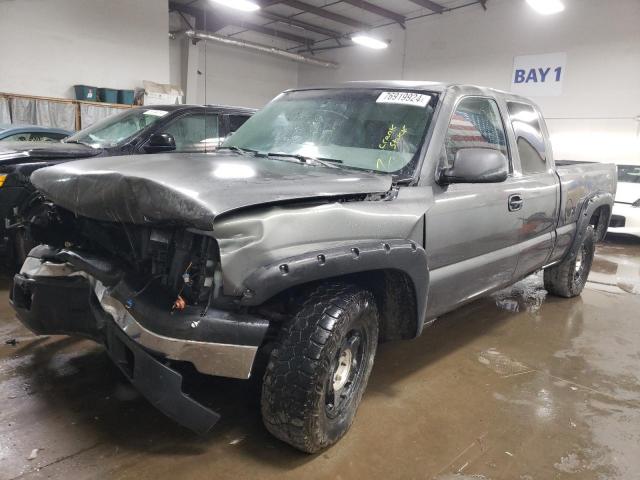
(617, 265)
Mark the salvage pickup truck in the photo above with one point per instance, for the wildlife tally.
(334, 219)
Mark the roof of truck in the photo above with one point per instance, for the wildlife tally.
(403, 84)
(438, 87)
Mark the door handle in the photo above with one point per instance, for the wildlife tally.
(515, 202)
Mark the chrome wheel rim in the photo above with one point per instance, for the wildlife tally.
(343, 369)
(346, 372)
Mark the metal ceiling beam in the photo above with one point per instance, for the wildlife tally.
(375, 9)
(321, 12)
(300, 24)
(433, 6)
(214, 21)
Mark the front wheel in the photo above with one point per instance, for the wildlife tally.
(568, 278)
(320, 366)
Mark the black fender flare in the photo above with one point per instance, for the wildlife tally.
(590, 205)
(351, 258)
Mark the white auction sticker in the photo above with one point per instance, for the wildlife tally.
(156, 113)
(404, 98)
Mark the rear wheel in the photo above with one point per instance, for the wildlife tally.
(568, 278)
(320, 366)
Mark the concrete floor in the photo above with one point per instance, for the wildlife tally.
(515, 386)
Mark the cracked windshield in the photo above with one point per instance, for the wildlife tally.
(375, 130)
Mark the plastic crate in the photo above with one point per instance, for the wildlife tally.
(125, 97)
(108, 95)
(87, 93)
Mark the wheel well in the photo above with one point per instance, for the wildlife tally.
(393, 290)
(396, 298)
(600, 221)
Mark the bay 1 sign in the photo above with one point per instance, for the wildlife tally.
(539, 75)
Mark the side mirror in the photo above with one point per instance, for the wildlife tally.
(477, 165)
(160, 142)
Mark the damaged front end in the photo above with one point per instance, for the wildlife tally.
(149, 295)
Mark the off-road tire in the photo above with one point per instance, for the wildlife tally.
(563, 279)
(301, 367)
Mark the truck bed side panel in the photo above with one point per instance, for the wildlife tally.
(579, 182)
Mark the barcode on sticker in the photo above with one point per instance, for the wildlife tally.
(404, 98)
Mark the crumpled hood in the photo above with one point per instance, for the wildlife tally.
(191, 189)
(628, 192)
(20, 152)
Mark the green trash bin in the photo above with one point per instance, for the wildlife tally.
(108, 95)
(86, 92)
(125, 97)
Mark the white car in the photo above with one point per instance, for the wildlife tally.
(625, 217)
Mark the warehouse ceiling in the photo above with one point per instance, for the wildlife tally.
(308, 25)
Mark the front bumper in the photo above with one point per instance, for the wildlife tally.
(625, 219)
(56, 298)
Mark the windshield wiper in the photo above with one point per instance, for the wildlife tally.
(78, 142)
(327, 162)
(242, 151)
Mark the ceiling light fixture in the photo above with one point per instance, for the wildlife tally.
(546, 7)
(369, 42)
(244, 5)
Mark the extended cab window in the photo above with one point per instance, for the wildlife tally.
(531, 147)
(195, 132)
(476, 123)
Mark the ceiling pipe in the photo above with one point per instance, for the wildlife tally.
(296, 57)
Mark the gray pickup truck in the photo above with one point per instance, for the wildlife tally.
(334, 219)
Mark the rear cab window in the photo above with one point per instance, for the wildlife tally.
(529, 138)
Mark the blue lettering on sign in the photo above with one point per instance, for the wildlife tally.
(536, 75)
(543, 74)
(558, 73)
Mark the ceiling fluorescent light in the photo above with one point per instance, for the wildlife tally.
(244, 5)
(370, 42)
(546, 7)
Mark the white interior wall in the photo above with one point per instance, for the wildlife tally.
(596, 117)
(227, 75)
(219, 74)
(235, 76)
(48, 46)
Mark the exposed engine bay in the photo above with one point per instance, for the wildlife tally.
(184, 263)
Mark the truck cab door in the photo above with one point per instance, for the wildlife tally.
(471, 235)
(537, 189)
